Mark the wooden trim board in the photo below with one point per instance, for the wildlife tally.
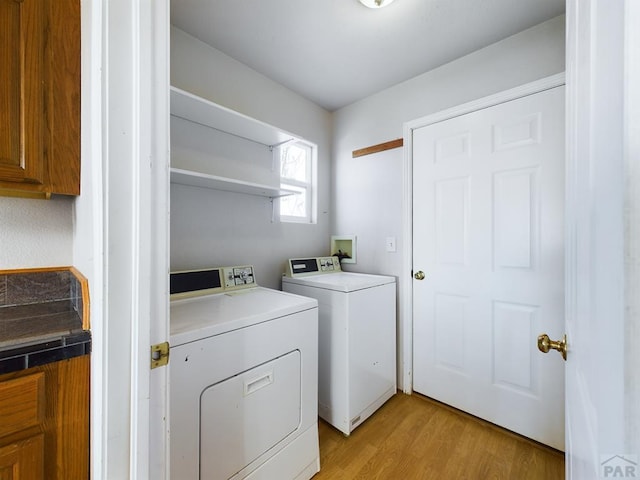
(381, 147)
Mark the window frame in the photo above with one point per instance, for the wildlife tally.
(308, 186)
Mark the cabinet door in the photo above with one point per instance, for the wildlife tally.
(40, 97)
(44, 413)
(22, 90)
(23, 460)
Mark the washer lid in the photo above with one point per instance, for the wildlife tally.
(341, 281)
(195, 318)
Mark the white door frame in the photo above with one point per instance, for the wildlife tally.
(603, 201)
(121, 230)
(406, 280)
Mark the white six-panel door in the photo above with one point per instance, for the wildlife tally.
(488, 233)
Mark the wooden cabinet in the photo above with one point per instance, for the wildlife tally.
(39, 97)
(23, 460)
(44, 422)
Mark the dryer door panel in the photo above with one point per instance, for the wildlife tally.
(245, 415)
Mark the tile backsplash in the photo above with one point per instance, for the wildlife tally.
(26, 288)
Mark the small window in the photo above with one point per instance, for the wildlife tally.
(296, 173)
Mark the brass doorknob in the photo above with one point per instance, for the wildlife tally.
(545, 344)
(419, 275)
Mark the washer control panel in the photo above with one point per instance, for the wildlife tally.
(302, 267)
(193, 283)
(238, 276)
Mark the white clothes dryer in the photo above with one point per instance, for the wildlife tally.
(243, 379)
(356, 339)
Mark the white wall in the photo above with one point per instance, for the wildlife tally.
(39, 233)
(36, 233)
(212, 228)
(368, 191)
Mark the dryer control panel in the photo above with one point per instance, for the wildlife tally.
(193, 283)
(302, 267)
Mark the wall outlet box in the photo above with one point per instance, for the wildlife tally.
(344, 246)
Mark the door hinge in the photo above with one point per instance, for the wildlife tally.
(159, 355)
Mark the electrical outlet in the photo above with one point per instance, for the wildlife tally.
(391, 244)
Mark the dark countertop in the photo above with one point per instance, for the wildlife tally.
(40, 319)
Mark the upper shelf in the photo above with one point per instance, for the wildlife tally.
(204, 180)
(196, 109)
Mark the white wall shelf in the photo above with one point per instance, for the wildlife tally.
(196, 109)
(192, 108)
(197, 179)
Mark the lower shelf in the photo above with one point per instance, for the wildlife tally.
(203, 180)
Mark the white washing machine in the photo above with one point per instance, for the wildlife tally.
(357, 337)
(243, 379)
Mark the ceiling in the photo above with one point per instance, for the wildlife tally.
(335, 52)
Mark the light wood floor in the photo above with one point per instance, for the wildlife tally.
(412, 437)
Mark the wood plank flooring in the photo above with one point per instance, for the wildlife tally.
(413, 437)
